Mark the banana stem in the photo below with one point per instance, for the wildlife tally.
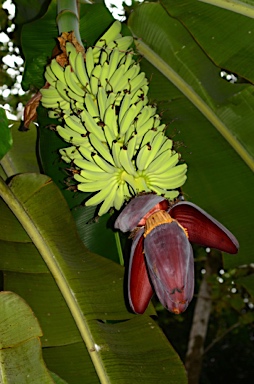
(68, 17)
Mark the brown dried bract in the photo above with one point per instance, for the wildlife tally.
(62, 58)
(30, 113)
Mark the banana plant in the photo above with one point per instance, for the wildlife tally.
(186, 86)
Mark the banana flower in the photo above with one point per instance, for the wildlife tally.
(161, 259)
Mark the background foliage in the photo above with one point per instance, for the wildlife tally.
(186, 45)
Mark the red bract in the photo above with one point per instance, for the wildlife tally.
(161, 255)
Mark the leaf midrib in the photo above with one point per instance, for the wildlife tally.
(195, 99)
(26, 221)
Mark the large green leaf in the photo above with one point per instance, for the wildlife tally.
(74, 293)
(21, 359)
(213, 25)
(206, 112)
(5, 134)
(22, 155)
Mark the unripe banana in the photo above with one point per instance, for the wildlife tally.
(119, 197)
(72, 81)
(91, 105)
(69, 154)
(104, 75)
(109, 200)
(81, 72)
(101, 148)
(124, 43)
(118, 144)
(102, 101)
(143, 156)
(75, 124)
(95, 79)
(131, 146)
(61, 89)
(116, 148)
(91, 125)
(115, 79)
(72, 54)
(50, 93)
(57, 70)
(93, 186)
(103, 164)
(71, 136)
(162, 163)
(100, 196)
(110, 119)
(89, 61)
(113, 62)
(126, 162)
(49, 76)
(109, 36)
(109, 135)
(129, 117)
(125, 104)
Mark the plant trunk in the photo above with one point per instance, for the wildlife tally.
(194, 356)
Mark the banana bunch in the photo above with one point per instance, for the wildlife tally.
(117, 141)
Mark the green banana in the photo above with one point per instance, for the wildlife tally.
(116, 148)
(104, 75)
(109, 135)
(91, 105)
(143, 156)
(49, 76)
(110, 119)
(81, 72)
(72, 54)
(109, 36)
(49, 93)
(57, 70)
(89, 61)
(119, 197)
(109, 200)
(61, 89)
(118, 143)
(162, 163)
(91, 125)
(124, 106)
(71, 136)
(103, 164)
(95, 79)
(101, 148)
(113, 62)
(70, 153)
(131, 146)
(92, 186)
(126, 162)
(94, 176)
(115, 79)
(102, 195)
(130, 116)
(72, 81)
(102, 100)
(75, 124)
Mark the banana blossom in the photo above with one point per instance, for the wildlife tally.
(161, 259)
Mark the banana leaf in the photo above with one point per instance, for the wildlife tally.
(71, 290)
(75, 294)
(211, 119)
(5, 134)
(21, 357)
